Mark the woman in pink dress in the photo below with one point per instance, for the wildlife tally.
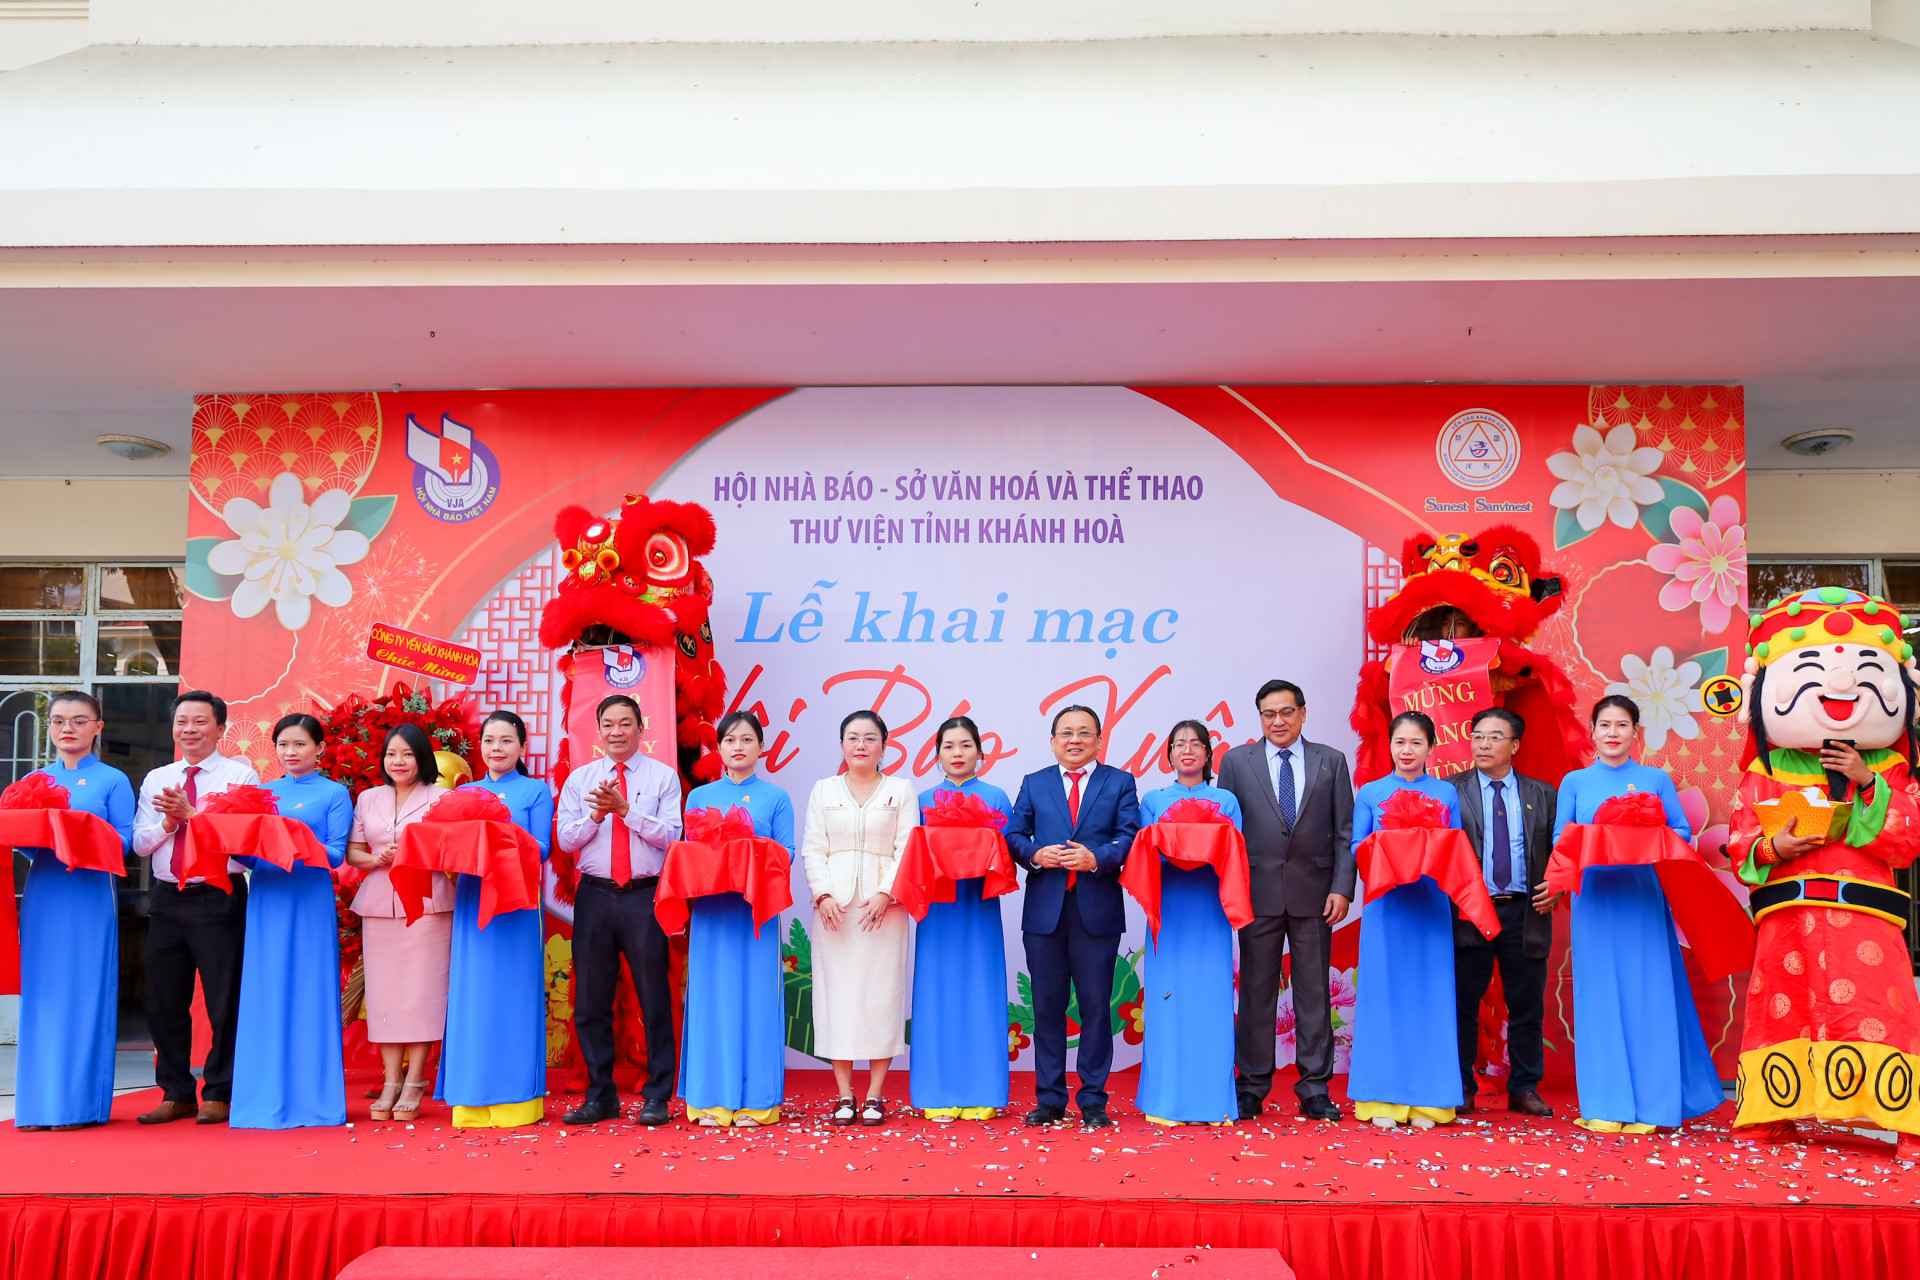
(406, 965)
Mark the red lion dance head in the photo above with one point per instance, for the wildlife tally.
(1460, 588)
(635, 580)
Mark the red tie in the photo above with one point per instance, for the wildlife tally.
(178, 864)
(622, 841)
(1073, 812)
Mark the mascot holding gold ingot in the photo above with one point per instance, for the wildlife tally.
(1827, 814)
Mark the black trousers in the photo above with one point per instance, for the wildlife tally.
(608, 924)
(1310, 938)
(1071, 955)
(1525, 982)
(195, 931)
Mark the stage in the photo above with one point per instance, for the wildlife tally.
(1496, 1196)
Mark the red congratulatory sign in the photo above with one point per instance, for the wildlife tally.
(422, 655)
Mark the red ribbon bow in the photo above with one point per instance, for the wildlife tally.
(721, 854)
(962, 809)
(469, 832)
(1634, 809)
(35, 791)
(1409, 810)
(1192, 833)
(242, 801)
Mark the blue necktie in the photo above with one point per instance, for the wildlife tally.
(1503, 876)
(1285, 790)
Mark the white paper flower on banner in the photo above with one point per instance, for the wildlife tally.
(1708, 564)
(1665, 693)
(288, 553)
(1605, 477)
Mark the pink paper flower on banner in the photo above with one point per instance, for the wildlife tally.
(1340, 983)
(1283, 1020)
(1343, 1048)
(1707, 839)
(1708, 564)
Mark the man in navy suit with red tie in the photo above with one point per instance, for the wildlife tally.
(1071, 829)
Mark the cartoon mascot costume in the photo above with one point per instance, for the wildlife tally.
(1458, 631)
(633, 594)
(1826, 815)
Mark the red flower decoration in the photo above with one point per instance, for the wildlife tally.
(1017, 1039)
(1133, 1021)
(476, 805)
(1634, 809)
(1194, 809)
(242, 801)
(1407, 809)
(35, 791)
(961, 809)
(711, 826)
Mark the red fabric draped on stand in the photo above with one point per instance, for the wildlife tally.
(1191, 833)
(246, 822)
(958, 839)
(1632, 833)
(1414, 840)
(468, 833)
(722, 855)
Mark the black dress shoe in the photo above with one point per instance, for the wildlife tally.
(1045, 1114)
(1095, 1118)
(1529, 1104)
(655, 1113)
(1321, 1108)
(1250, 1108)
(588, 1113)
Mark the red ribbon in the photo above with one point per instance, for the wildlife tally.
(716, 858)
(285, 842)
(1393, 856)
(937, 858)
(1410, 810)
(962, 809)
(1634, 809)
(35, 791)
(34, 814)
(469, 832)
(1191, 833)
(246, 800)
(1717, 926)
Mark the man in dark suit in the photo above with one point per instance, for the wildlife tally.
(1509, 819)
(1071, 829)
(1296, 799)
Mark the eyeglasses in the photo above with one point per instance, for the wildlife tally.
(71, 722)
(1284, 713)
(1077, 735)
(862, 739)
(1488, 739)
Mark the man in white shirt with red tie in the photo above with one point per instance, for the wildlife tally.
(193, 928)
(617, 815)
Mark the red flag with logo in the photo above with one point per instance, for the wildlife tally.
(1449, 680)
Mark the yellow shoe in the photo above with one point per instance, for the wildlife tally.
(710, 1117)
(744, 1119)
(942, 1115)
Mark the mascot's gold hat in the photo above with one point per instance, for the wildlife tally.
(1827, 615)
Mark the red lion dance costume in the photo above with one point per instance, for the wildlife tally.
(1458, 628)
(1458, 631)
(634, 581)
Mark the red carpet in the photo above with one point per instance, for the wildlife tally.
(850, 1262)
(1496, 1197)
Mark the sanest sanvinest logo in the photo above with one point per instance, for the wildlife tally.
(1478, 449)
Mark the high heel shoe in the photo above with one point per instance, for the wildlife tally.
(383, 1108)
(418, 1092)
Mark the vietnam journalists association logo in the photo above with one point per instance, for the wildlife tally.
(1437, 657)
(625, 667)
(455, 477)
(1478, 449)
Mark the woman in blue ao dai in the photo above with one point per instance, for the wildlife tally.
(1186, 1064)
(287, 1071)
(960, 1062)
(493, 1060)
(1640, 1059)
(733, 1053)
(70, 944)
(1406, 1055)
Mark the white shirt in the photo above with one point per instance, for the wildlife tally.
(1066, 782)
(151, 840)
(653, 816)
(852, 850)
(1299, 753)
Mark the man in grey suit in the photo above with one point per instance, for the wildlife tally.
(1508, 818)
(1296, 799)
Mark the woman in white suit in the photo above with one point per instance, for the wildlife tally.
(857, 825)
